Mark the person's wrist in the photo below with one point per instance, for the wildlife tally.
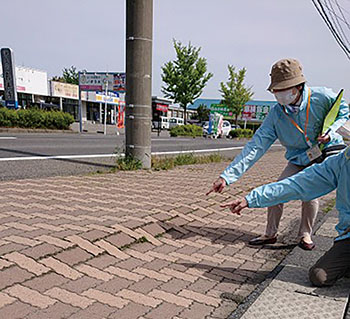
(223, 180)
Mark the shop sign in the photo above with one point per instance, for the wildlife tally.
(162, 107)
(111, 98)
(65, 90)
(96, 81)
(8, 70)
(255, 112)
(221, 109)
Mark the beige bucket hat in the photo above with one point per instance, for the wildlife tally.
(285, 74)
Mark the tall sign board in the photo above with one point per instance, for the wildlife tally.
(8, 71)
(100, 81)
(96, 81)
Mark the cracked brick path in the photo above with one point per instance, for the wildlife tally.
(133, 244)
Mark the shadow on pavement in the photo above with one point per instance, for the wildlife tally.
(220, 235)
(229, 274)
(57, 159)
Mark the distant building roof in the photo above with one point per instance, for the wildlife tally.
(207, 102)
(210, 101)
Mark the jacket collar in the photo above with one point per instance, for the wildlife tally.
(304, 100)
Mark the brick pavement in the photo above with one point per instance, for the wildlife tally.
(133, 244)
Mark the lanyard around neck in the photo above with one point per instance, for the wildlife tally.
(307, 119)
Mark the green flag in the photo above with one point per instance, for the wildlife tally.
(333, 113)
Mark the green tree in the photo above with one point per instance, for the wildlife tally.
(203, 113)
(234, 92)
(185, 77)
(68, 76)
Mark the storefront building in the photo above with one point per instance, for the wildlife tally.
(32, 86)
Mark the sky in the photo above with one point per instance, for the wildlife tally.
(51, 35)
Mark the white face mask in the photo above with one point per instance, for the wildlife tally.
(286, 97)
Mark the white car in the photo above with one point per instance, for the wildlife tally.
(175, 121)
(226, 128)
(163, 122)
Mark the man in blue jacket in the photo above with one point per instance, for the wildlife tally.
(313, 182)
(296, 120)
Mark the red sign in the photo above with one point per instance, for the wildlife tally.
(162, 107)
(121, 116)
(247, 115)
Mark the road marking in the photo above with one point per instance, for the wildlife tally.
(33, 158)
(7, 138)
(172, 139)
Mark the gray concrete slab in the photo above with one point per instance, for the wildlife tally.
(291, 295)
(276, 303)
(295, 279)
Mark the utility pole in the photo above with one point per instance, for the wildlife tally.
(138, 115)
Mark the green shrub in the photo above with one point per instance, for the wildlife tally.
(35, 118)
(186, 130)
(250, 125)
(31, 118)
(162, 163)
(184, 159)
(241, 132)
(128, 163)
(165, 163)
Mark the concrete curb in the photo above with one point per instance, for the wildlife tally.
(287, 293)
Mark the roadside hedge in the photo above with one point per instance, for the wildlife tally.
(35, 118)
(252, 126)
(241, 132)
(186, 130)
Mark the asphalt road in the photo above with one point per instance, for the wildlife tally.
(24, 155)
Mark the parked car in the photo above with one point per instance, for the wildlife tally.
(233, 126)
(175, 121)
(226, 128)
(163, 122)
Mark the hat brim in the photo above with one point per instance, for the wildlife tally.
(286, 84)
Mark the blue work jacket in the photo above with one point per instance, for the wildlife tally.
(278, 125)
(314, 181)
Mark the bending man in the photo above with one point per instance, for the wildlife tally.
(296, 120)
(311, 183)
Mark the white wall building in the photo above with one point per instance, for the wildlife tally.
(32, 85)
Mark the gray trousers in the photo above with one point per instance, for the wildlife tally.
(333, 265)
(308, 211)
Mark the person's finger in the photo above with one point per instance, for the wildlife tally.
(235, 211)
(226, 205)
(210, 191)
(232, 204)
(239, 207)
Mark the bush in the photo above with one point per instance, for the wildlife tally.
(35, 118)
(241, 132)
(183, 159)
(250, 125)
(128, 163)
(8, 118)
(186, 130)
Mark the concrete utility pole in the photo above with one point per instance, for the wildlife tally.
(138, 115)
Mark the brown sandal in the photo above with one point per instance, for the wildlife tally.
(306, 246)
(258, 241)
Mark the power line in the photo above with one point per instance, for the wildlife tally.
(334, 17)
(331, 26)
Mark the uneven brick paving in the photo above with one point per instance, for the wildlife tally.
(133, 244)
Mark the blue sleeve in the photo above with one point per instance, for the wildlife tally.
(253, 150)
(314, 181)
